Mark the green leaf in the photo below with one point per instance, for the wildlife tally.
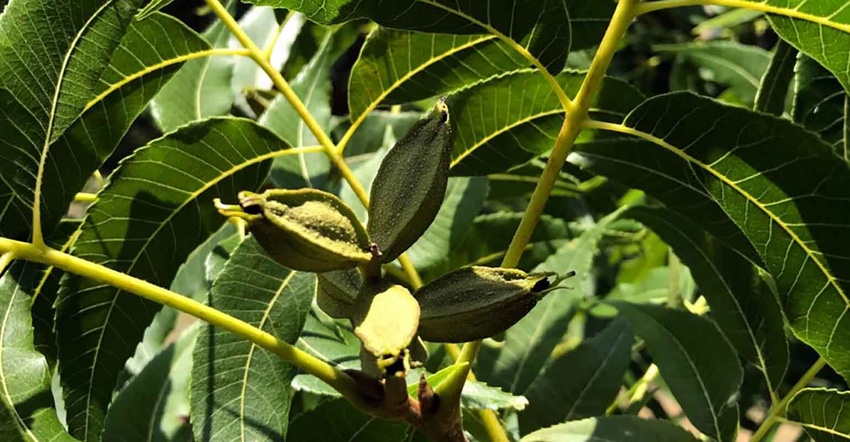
(748, 314)
(696, 361)
(733, 64)
(596, 368)
(397, 67)
(821, 413)
(330, 343)
(813, 27)
(515, 364)
(487, 240)
(240, 391)
(200, 89)
(508, 120)
(478, 395)
(51, 72)
(819, 104)
(338, 420)
(27, 409)
(119, 96)
(313, 87)
(151, 7)
(190, 281)
(612, 429)
(155, 404)
(725, 20)
(155, 211)
(261, 25)
(730, 163)
(773, 93)
(464, 199)
(369, 135)
(543, 28)
(45, 292)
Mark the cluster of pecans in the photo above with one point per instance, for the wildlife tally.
(314, 231)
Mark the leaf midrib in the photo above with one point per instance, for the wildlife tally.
(795, 238)
(191, 197)
(750, 329)
(10, 403)
(410, 74)
(283, 284)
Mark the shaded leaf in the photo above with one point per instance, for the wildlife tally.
(240, 391)
(696, 361)
(612, 429)
(515, 364)
(155, 404)
(581, 383)
(190, 281)
(821, 413)
(544, 28)
(338, 420)
(750, 317)
(155, 211)
(773, 93)
(508, 120)
(819, 103)
(732, 64)
(464, 199)
(27, 409)
(729, 163)
(487, 240)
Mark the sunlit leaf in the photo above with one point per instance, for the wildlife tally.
(50, 74)
(612, 429)
(156, 209)
(722, 165)
(397, 67)
(696, 361)
(580, 383)
(506, 121)
(821, 413)
(240, 391)
(27, 405)
(313, 87)
(200, 89)
(813, 26)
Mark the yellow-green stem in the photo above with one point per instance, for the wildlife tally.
(622, 18)
(764, 7)
(777, 410)
(72, 264)
(84, 197)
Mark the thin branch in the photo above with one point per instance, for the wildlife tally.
(303, 360)
(573, 123)
(777, 410)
